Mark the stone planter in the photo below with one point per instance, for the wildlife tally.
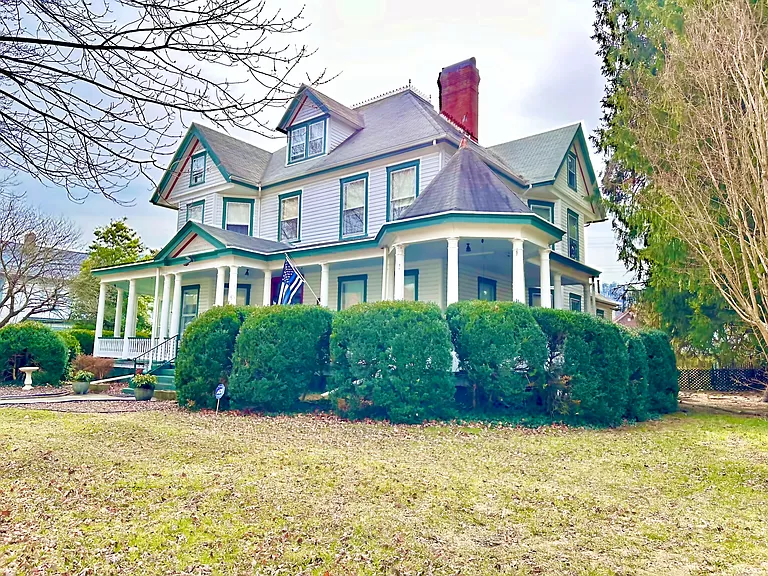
(143, 394)
(80, 387)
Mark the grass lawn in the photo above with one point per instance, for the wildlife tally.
(176, 493)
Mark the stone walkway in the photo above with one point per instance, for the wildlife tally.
(60, 399)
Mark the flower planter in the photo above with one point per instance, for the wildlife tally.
(80, 387)
(143, 393)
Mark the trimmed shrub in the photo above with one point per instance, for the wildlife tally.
(587, 373)
(84, 337)
(72, 344)
(278, 352)
(637, 362)
(32, 344)
(392, 360)
(100, 367)
(662, 372)
(501, 347)
(205, 356)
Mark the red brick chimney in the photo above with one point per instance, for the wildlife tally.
(458, 86)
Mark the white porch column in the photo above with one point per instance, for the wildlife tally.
(325, 274)
(593, 298)
(100, 317)
(384, 273)
(518, 270)
(267, 298)
(232, 296)
(399, 271)
(557, 284)
(452, 289)
(118, 313)
(390, 275)
(130, 317)
(586, 301)
(176, 309)
(166, 306)
(155, 305)
(546, 296)
(221, 278)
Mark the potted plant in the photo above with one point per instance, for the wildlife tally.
(144, 386)
(81, 381)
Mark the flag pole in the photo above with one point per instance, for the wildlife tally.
(296, 269)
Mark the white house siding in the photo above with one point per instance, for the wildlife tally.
(468, 275)
(319, 212)
(213, 177)
(209, 211)
(307, 111)
(372, 270)
(431, 280)
(338, 131)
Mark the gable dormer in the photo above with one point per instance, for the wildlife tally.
(316, 124)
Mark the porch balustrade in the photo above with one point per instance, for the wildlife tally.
(114, 348)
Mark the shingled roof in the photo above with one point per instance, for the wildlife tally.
(466, 184)
(236, 240)
(241, 160)
(325, 103)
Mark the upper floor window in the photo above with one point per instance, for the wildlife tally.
(543, 209)
(402, 187)
(354, 197)
(573, 235)
(196, 211)
(289, 217)
(306, 141)
(197, 169)
(238, 215)
(571, 164)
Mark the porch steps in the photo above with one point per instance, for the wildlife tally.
(165, 385)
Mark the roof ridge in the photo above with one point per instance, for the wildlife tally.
(537, 134)
(226, 135)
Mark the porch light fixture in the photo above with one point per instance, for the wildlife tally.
(246, 271)
(189, 261)
(469, 248)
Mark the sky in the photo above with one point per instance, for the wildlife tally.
(537, 65)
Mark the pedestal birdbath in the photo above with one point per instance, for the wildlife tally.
(28, 378)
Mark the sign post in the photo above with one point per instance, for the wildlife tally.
(220, 390)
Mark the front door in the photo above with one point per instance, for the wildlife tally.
(190, 302)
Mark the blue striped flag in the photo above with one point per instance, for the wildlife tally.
(290, 283)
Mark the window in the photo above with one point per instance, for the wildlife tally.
(574, 302)
(486, 289)
(238, 215)
(190, 300)
(573, 235)
(243, 294)
(306, 140)
(354, 199)
(195, 211)
(402, 188)
(571, 163)
(197, 169)
(289, 215)
(411, 288)
(352, 290)
(600, 313)
(534, 297)
(543, 209)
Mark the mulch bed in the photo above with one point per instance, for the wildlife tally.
(742, 403)
(100, 407)
(6, 391)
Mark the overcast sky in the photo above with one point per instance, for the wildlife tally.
(537, 66)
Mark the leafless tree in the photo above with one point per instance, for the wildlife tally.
(37, 261)
(703, 125)
(94, 93)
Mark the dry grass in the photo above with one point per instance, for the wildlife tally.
(176, 493)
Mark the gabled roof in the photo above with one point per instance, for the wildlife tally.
(325, 103)
(466, 184)
(539, 157)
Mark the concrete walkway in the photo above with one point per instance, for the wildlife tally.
(70, 398)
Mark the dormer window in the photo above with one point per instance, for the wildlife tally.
(197, 170)
(307, 141)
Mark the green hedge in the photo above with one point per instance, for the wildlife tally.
(32, 344)
(205, 356)
(392, 360)
(662, 372)
(73, 345)
(85, 338)
(637, 362)
(501, 347)
(587, 367)
(279, 350)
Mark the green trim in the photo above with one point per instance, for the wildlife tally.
(571, 263)
(204, 156)
(353, 278)
(397, 168)
(568, 235)
(342, 181)
(184, 289)
(178, 239)
(282, 126)
(280, 199)
(415, 273)
(247, 291)
(490, 282)
(543, 203)
(571, 158)
(574, 299)
(232, 199)
(306, 124)
(193, 205)
(600, 313)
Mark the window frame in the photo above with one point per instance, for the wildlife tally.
(568, 235)
(232, 200)
(600, 313)
(247, 288)
(188, 288)
(195, 205)
(363, 176)
(533, 292)
(415, 273)
(306, 124)
(544, 204)
(192, 158)
(572, 158)
(280, 198)
(573, 297)
(396, 168)
(491, 282)
(353, 278)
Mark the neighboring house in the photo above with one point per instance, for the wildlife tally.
(628, 319)
(390, 199)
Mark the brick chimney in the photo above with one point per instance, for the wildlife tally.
(459, 84)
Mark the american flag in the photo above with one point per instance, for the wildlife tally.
(290, 283)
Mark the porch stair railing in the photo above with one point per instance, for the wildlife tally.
(164, 352)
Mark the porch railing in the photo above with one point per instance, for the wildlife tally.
(137, 347)
(164, 352)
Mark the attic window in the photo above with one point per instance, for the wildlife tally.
(197, 170)
(307, 140)
(571, 170)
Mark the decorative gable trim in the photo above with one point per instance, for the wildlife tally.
(295, 107)
(183, 237)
